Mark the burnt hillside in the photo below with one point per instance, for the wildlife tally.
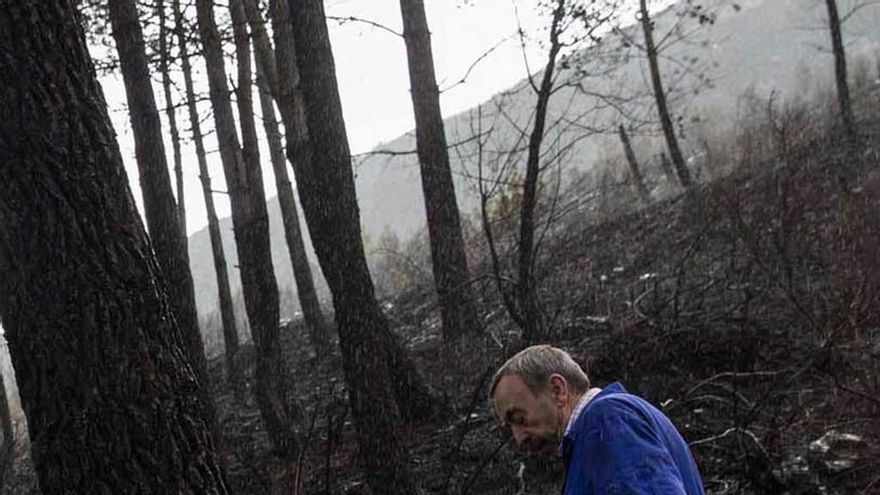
(748, 310)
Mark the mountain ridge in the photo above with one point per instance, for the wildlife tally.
(759, 46)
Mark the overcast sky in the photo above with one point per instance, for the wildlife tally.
(372, 71)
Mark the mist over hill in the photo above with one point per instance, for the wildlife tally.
(761, 45)
(757, 46)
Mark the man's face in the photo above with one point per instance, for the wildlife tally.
(535, 421)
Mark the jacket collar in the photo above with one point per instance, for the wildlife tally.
(576, 424)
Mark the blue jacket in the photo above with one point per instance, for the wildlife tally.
(621, 444)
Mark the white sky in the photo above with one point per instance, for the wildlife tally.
(372, 72)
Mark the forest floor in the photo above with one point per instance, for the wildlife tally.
(749, 311)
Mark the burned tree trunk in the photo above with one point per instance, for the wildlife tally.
(227, 312)
(414, 398)
(681, 170)
(666, 166)
(639, 181)
(111, 400)
(840, 76)
(5, 421)
(267, 79)
(159, 205)
(527, 296)
(251, 224)
(302, 273)
(451, 275)
(171, 115)
(328, 198)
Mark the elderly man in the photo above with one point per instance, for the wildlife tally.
(611, 442)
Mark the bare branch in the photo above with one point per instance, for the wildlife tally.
(346, 20)
(479, 59)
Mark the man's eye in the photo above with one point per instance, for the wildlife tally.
(517, 420)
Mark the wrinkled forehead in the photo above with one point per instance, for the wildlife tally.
(511, 392)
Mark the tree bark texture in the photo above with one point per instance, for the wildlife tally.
(331, 189)
(633, 164)
(681, 170)
(9, 447)
(171, 115)
(112, 402)
(840, 74)
(251, 225)
(267, 79)
(449, 261)
(328, 198)
(5, 419)
(289, 98)
(227, 311)
(160, 208)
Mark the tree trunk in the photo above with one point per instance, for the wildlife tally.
(251, 225)
(159, 205)
(5, 421)
(227, 312)
(451, 275)
(666, 165)
(684, 175)
(9, 448)
(111, 399)
(843, 98)
(527, 295)
(328, 198)
(414, 399)
(170, 113)
(302, 272)
(639, 181)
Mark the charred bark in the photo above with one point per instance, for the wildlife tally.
(171, 115)
(251, 225)
(415, 400)
(227, 311)
(840, 74)
(267, 79)
(328, 198)
(111, 399)
(633, 164)
(159, 204)
(5, 423)
(449, 262)
(681, 170)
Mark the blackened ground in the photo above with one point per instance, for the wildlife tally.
(749, 311)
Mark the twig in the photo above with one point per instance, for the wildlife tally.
(474, 64)
(343, 20)
(729, 432)
(853, 391)
(473, 477)
(332, 426)
(453, 456)
(297, 477)
(729, 374)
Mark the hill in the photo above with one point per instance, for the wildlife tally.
(761, 46)
(747, 311)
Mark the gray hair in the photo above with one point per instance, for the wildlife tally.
(535, 364)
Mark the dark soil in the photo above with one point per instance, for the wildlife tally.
(749, 311)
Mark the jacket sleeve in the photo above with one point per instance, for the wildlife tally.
(625, 455)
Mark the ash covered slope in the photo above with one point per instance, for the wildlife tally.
(766, 45)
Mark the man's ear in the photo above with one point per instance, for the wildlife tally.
(559, 389)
